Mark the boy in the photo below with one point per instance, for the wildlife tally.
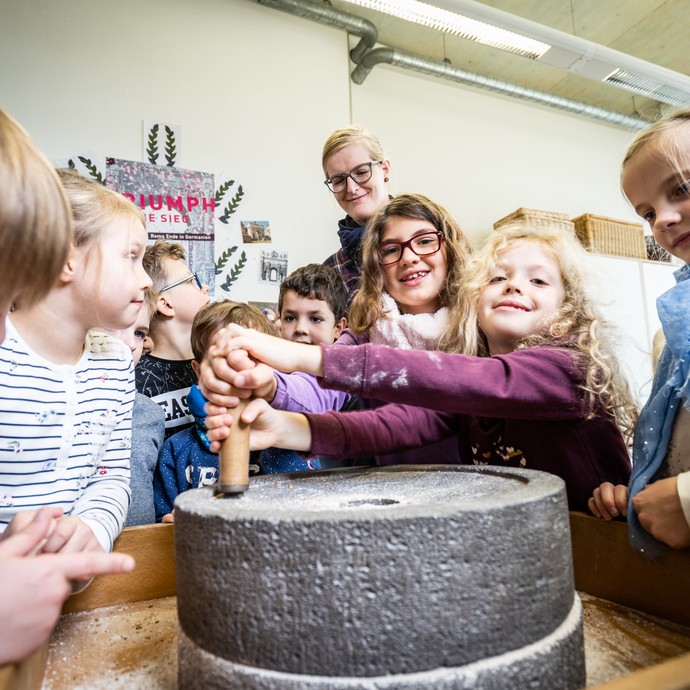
(312, 305)
(186, 461)
(166, 374)
(148, 423)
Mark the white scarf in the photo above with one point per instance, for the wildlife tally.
(408, 331)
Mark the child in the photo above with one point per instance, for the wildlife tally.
(35, 231)
(654, 178)
(66, 411)
(148, 424)
(186, 461)
(413, 259)
(166, 374)
(548, 396)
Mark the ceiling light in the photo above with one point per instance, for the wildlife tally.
(492, 27)
(458, 25)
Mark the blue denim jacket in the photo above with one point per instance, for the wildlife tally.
(671, 385)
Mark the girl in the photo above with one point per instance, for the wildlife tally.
(655, 179)
(414, 255)
(548, 397)
(357, 173)
(66, 407)
(35, 230)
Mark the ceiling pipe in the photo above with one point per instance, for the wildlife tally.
(366, 57)
(445, 70)
(325, 14)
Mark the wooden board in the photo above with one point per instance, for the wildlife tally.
(605, 567)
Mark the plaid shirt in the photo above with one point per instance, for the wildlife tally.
(348, 269)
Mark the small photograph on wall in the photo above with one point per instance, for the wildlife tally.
(268, 309)
(254, 231)
(273, 267)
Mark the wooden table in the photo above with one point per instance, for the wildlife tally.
(121, 631)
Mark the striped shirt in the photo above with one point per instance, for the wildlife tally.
(65, 433)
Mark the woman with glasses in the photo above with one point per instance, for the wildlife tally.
(357, 173)
(413, 259)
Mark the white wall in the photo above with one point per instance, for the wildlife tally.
(257, 91)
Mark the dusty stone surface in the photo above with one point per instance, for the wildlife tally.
(373, 572)
(545, 664)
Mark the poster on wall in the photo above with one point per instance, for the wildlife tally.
(179, 206)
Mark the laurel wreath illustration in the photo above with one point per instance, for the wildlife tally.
(170, 146)
(235, 271)
(90, 166)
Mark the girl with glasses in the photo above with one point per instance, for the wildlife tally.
(538, 386)
(357, 173)
(414, 255)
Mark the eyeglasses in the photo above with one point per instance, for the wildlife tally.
(359, 175)
(422, 245)
(186, 279)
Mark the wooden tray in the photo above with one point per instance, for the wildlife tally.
(605, 568)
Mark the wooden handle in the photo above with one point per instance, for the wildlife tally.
(233, 460)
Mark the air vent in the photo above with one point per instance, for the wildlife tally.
(649, 87)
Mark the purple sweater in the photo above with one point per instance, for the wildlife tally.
(523, 409)
(298, 392)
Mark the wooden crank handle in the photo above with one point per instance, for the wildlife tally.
(233, 460)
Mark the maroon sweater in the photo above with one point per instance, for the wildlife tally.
(523, 409)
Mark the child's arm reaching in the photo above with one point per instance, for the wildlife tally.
(269, 428)
(283, 355)
(609, 501)
(660, 512)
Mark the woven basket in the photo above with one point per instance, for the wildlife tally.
(538, 219)
(609, 236)
(654, 251)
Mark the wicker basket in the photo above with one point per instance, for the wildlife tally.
(654, 251)
(608, 236)
(537, 219)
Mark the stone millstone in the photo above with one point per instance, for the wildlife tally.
(368, 573)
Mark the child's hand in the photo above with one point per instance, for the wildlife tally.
(269, 427)
(71, 535)
(169, 518)
(659, 510)
(609, 501)
(283, 355)
(34, 586)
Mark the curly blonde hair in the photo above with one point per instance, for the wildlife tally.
(577, 325)
(367, 305)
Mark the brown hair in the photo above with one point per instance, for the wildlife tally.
(154, 261)
(367, 305)
(35, 218)
(216, 315)
(316, 281)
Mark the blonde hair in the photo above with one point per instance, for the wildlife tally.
(577, 325)
(216, 315)
(662, 130)
(35, 218)
(353, 134)
(367, 305)
(94, 207)
(154, 261)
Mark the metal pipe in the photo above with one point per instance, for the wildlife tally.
(445, 70)
(366, 57)
(325, 14)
